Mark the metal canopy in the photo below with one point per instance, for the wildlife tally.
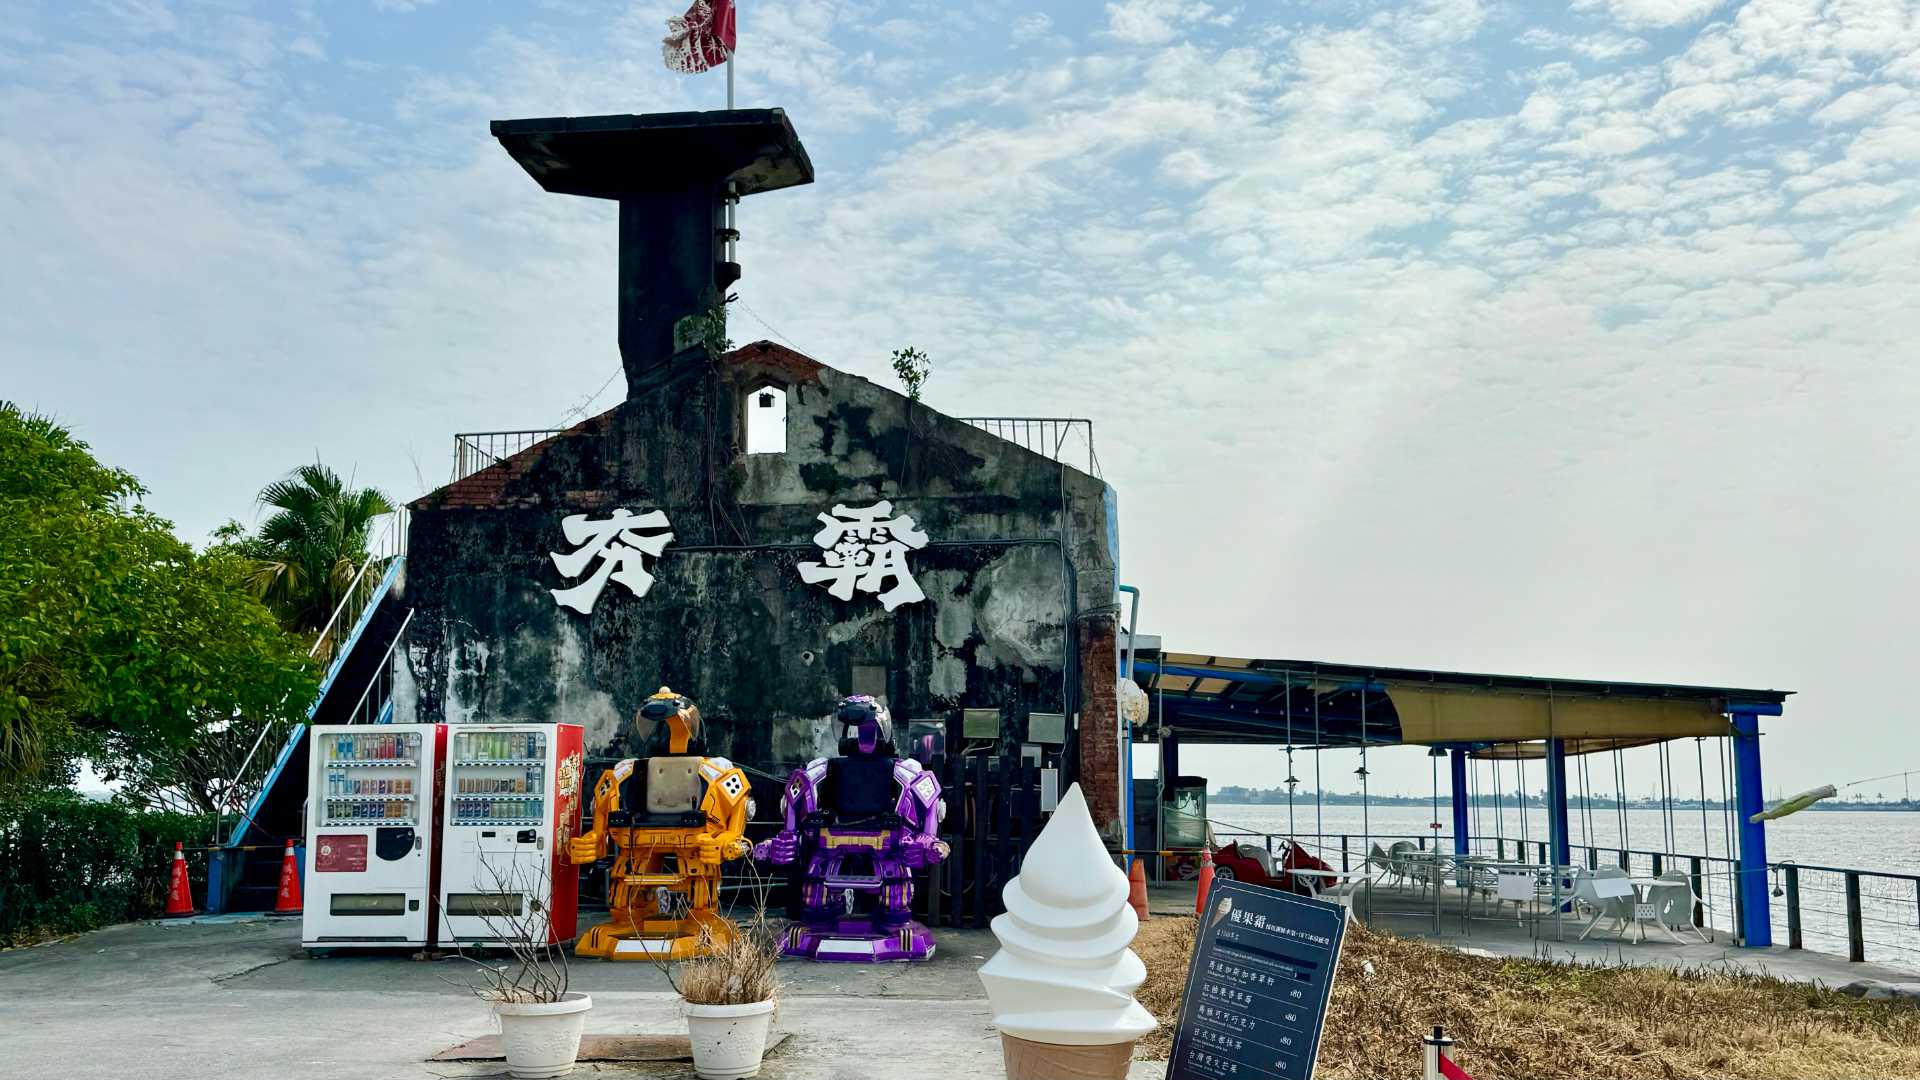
(1216, 699)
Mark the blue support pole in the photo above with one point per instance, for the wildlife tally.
(1756, 916)
(217, 880)
(1457, 767)
(1557, 802)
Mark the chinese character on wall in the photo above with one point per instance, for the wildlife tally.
(622, 543)
(865, 548)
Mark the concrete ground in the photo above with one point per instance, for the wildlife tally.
(239, 999)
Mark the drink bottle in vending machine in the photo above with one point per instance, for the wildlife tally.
(512, 802)
(372, 851)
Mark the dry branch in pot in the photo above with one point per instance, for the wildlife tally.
(536, 971)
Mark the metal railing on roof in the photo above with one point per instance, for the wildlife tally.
(476, 450)
(1061, 438)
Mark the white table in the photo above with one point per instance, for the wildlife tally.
(1331, 878)
(1609, 888)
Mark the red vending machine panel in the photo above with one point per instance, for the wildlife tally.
(512, 802)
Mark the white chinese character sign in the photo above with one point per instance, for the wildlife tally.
(864, 548)
(622, 543)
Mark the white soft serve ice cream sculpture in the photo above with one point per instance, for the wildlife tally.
(1064, 975)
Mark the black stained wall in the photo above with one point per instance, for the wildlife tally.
(1019, 548)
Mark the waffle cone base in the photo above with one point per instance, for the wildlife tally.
(1049, 1061)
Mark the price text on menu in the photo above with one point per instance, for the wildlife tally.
(1257, 991)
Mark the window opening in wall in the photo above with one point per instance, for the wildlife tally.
(767, 420)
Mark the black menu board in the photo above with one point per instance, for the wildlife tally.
(1258, 987)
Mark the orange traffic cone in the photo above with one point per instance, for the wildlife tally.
(1137, 887)
(289, 901)
(179, 894)
(1206, 883)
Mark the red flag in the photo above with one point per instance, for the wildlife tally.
(701, 39)
(1451, 1071)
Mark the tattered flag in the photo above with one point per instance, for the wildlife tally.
(1794, 805)
(701, 39)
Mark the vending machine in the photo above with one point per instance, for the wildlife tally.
(512, 803)
(372, 796)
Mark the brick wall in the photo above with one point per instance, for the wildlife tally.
(1099, 741)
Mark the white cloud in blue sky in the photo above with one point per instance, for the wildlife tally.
(1457, 334)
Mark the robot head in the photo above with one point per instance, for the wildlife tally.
(669, 725)
(866, 727)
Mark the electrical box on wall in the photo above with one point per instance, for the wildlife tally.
(1047, 727)
(980, 723)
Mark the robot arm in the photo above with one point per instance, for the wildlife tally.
(592, 847)
(920, 808)
(800, 801)
(727, 805)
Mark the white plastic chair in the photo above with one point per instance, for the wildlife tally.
(1380, 862)
(1430, 870)
(1605, 894)
(1400, 856)
(1657, 907)
(1675, 906)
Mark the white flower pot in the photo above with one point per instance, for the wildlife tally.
(542, 1039)
(728, 1040)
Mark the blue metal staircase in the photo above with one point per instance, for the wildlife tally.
(244, 874)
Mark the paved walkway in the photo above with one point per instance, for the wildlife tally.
(1408, 913)
(240, 1000)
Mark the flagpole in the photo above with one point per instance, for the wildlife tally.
(732, 199)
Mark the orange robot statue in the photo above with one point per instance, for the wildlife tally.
(667, 821)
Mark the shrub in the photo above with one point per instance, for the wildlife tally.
(68, 863)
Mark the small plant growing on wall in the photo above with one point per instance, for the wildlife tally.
(913, 367)
(707, 329)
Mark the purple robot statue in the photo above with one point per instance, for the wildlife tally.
(857, 826)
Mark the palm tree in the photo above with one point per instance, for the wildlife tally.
(312, 544)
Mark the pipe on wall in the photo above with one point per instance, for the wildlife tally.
(1125, 733)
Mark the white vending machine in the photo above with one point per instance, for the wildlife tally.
(372, 796)
(512, 802)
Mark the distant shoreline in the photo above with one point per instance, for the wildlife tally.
(1535, 802)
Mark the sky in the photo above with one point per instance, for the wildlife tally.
(1558, 340)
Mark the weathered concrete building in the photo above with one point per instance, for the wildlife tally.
(980, 585)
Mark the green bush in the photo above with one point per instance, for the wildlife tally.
(69, 863)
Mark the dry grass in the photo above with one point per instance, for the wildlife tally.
(738, 972)
(1516, 1019)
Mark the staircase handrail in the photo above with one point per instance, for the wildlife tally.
(389, 544)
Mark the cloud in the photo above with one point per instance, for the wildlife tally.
(1031, 27)
(1652, 14)
(1153, 22)
(1850, 199)
(1606, 46)
(1856, 105)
